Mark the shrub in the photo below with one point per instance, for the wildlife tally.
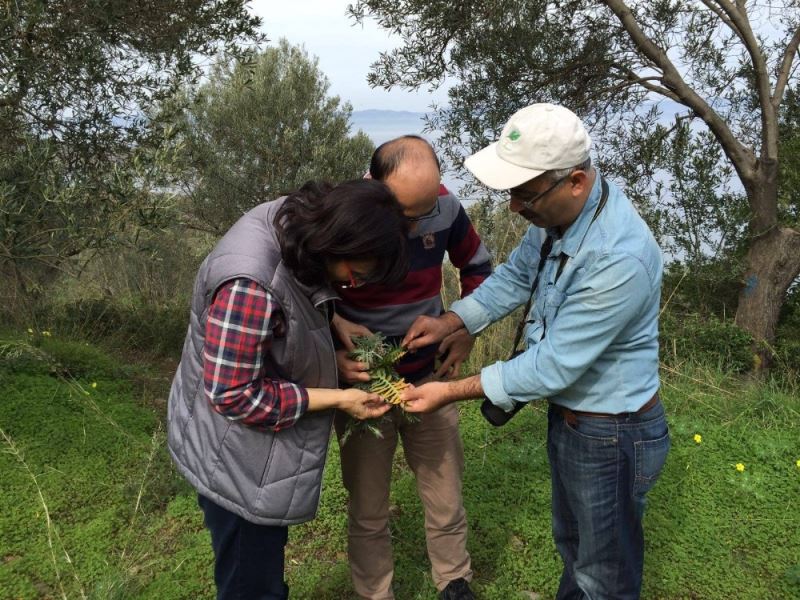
(707, 289)
(705, 340)
(152, 329)
(79, 360)
(787, 344)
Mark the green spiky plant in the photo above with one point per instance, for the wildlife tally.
(380, 357)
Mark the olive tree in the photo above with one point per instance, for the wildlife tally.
(725, 65)
(79, 149)
(258, 128)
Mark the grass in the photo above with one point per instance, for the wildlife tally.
(90, 506)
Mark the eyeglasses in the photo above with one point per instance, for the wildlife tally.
(353, 282)
(433, 212)
(529, 198)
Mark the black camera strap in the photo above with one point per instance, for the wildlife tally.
(547, 246)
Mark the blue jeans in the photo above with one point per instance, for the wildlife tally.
(248, 558)
(601, 470)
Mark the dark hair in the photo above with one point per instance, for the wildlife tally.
(388, 156)
(355, 220)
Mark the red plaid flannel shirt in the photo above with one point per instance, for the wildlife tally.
(242, 321)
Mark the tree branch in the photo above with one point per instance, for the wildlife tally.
(724, 18)
(742, 157)
(785, 69)
(624, 85)
(769, 120)
(12, 99)
(634, 79)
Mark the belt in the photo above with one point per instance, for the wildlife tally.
(571, 416)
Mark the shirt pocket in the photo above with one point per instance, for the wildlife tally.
(552, 300)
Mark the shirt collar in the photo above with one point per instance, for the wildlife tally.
(571, 241)
(317, 294)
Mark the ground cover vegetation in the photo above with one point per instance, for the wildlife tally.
(91, 506)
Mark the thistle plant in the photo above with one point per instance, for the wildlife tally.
(380, 357)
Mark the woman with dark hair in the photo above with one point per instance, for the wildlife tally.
(251, 404)
(313, 224)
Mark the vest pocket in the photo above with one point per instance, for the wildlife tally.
(243, 460)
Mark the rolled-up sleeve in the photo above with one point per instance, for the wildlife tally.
(242, 322)
(597, 307)
(505, 289)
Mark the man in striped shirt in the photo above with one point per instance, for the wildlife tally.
(432, 445)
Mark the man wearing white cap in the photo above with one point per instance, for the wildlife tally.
(590, 344)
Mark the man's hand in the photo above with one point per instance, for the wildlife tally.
(346, 330)
(425, 331)
(360, 404)
(426, 398)
(455, 349)
(431, 396)
(350, 371)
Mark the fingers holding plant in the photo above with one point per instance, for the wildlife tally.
(431, 330)
(425, 398)
(351, 371)
(361, 404)
(379, 379)
(347, 330)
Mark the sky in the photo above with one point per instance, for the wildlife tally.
(345, 50)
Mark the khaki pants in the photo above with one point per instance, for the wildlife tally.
(434, 452)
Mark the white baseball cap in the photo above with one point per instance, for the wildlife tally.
(537, 138)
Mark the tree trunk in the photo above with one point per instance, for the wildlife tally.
(15, 301)
(772, 264)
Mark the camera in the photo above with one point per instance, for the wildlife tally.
(496, 415)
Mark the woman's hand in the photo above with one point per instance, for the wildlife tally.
(361, 405)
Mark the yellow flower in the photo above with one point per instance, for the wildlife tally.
(94, 384)
(698, 438)
(46, 333)
(798, 463)
(740, 467)
(30, 330)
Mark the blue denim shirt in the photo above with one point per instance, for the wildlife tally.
(600, 352)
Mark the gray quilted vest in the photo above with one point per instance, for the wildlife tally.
(267, 477)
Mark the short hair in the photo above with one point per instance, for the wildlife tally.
(556, 174)
(356, 220)
(389, 155)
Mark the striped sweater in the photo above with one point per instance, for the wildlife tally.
(392, 310)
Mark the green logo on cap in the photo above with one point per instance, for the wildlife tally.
(514, 135)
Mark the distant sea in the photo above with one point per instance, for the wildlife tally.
(384, 125)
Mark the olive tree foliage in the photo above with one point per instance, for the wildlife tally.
(259, 128)
(789, 173)
(678, 89)
(79, 150)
